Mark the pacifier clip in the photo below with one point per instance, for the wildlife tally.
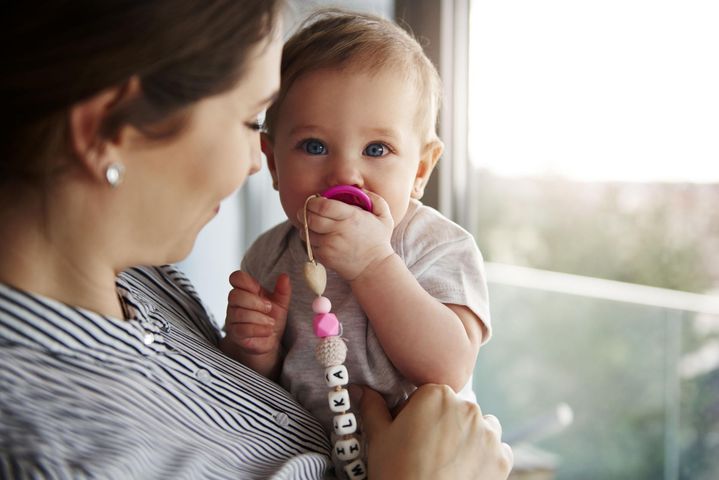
(331, 352)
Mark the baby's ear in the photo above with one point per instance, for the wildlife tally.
(269, 151)
(429, 157)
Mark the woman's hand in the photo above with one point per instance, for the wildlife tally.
(435, 436)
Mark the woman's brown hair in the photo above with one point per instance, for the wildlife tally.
(58, 53)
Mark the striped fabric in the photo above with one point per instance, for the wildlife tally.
(88, 396)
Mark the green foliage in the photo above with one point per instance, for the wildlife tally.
(609, 361)
(662, 235)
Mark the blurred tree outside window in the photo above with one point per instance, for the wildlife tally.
(593, 139)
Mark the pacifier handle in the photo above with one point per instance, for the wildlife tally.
(350, 195)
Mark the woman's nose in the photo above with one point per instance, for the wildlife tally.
(255, 158)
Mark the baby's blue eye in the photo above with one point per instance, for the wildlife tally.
(314, 147)
(375, 150)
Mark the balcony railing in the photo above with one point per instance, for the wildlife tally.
(602, 379)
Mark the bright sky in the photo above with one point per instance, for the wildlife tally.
(596, 90)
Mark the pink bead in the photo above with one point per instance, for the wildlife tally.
(321, 305)
(326, 325)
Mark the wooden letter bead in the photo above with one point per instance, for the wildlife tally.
(345, 424)
(347, 450)
(356, 470)
(336, 376)
(339, 400)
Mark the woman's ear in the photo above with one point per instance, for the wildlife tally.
(269, 151)
(427, 161)
(86, 119)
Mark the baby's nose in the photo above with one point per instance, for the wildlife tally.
(345, 173)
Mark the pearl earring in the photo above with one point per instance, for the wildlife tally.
(114, 174)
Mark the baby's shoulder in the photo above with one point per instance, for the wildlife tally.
(424, 228)
(269, 248)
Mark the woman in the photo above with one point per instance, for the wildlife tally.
(124, 126)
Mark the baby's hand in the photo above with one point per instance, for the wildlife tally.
(256, 321)
(346, 238)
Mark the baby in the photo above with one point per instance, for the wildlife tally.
(358, 106)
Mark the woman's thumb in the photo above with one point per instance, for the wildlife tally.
(375, 416)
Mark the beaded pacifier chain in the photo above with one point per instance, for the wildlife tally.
(331, 351)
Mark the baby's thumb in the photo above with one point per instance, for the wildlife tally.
(379, 206)
(375, 416)
(283, 291)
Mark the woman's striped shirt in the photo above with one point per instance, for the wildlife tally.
(89, 396)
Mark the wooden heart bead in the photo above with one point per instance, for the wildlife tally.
(316, 277)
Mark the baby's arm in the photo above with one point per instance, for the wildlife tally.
(255, 323)
(428, 342)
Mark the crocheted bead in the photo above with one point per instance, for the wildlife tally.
(321, 305)
(339, 400)
(326, 325)
(345, 424)
(336, 376)
(347, 449)
(331, 351)
(356, 470)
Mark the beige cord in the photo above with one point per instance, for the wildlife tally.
(307, 229)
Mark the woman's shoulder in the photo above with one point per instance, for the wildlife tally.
(166, 289)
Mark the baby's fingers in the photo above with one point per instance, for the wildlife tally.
(237, 315)
(242, 331)
(252, 338)
(245, 281)
(238, 298)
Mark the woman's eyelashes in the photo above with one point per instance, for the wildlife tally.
(314, 146)
(257, 124)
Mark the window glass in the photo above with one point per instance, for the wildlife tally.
(593, 139)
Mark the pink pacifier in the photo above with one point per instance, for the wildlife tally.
(350, 195)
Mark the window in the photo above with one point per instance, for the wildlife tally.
(593, 149)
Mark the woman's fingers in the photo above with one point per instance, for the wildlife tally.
(375, 415)
(494, 424)
(508, 454)
(436, 435)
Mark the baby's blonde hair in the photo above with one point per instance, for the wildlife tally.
(359, 42)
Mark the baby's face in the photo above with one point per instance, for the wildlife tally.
(347, 128)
